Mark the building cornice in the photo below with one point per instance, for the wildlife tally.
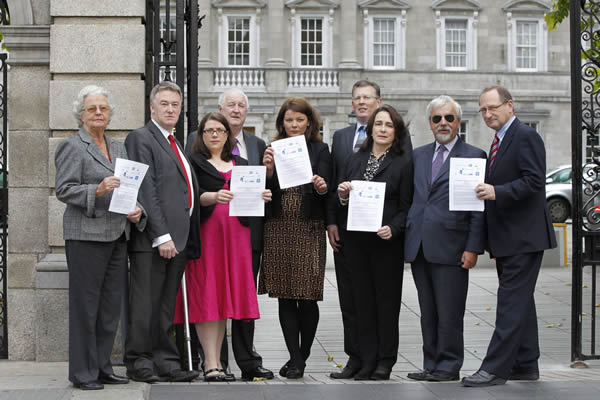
(456, 5)
(28, 44)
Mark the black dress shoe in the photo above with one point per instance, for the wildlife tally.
(364, 374)
(294, 373)
(92, 385)
(259, 372)
(112, 379)
(441, 376)
(346, 373)
(178, 375)
(283, 371)
(524, 375)
(381, 374)
(419, 375)
(482, 378)
(143, 375)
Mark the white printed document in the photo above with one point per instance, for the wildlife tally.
(465, 174)
(292, 161)
(131, 175)
(247, 185)
(365, 208)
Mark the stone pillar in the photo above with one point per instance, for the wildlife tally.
(90, 45)
(347, 38)
(276, 32)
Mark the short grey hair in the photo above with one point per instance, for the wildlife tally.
(442, 101)
(232, 92)
(90, 90)
(164, 85)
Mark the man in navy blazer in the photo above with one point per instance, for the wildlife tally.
(366, 97)
(158, 255)
(518, 230)
(442, 245)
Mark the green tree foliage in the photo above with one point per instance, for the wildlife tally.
(560, 11)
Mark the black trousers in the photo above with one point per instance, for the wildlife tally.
(377, 267)
(242, 335)
(154, 282)
(95, 285)
(442, 292)
(514, 344)
(343, 275)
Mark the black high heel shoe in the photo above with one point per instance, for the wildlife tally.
(294, 373)
(283, 371)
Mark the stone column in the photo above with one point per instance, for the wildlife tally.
(276, 34)
(347, 37)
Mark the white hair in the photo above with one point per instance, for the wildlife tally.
(232, 92)
(442, 101)
(90, 90)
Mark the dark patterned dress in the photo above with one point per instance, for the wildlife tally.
(294, 253)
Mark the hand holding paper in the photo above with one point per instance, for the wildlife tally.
(248, 188)
(365, 209)
(130, 174)
(292, 161)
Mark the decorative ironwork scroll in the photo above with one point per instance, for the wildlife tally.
(585, 119)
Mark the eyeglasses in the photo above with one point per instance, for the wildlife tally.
(212, 131)
(365, 98)
(484, 110)
(437, 118)
(92, 109)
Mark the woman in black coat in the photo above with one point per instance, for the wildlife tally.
(376, 259)
(294, 251)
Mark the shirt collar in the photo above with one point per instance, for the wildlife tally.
(358, 125)
(240, 139)
(503, 130)
(165, 133)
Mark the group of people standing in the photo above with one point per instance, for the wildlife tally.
(182, 223)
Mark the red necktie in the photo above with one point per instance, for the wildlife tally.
(174, 147)
(494, 150)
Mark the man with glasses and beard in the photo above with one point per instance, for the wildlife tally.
(441, 245)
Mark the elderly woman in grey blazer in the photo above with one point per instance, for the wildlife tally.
(95, 239)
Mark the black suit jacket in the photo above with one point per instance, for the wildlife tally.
(443, 234)
(314, 205)
(163, 193)
(518, 221)
(397, 172)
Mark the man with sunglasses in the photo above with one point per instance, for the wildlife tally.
(441, 245)
(518, 230)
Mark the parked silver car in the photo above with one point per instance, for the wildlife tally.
(559, 191)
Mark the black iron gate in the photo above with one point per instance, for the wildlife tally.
(172, 54)
(3, 206)
(585, 115)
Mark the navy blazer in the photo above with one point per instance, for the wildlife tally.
(397, 172)
(518, 220)
(314, 205)
(444, 234)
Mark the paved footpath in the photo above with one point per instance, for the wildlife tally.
(30, 380)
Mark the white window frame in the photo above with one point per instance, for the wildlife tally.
(471, 41)
(399, 41)
(326, 36)
(464, 134)
(542, 44)
(224, 40)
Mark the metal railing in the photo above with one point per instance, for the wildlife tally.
(3, 206)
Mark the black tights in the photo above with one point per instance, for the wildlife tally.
(299, 320)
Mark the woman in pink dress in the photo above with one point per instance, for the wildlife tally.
(220, 283)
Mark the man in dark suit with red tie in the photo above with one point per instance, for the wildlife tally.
(366, 97)
(158, 254)
(518, 230)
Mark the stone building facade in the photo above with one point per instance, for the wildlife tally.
(415, 50)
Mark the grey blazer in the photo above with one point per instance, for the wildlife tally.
(80, 167)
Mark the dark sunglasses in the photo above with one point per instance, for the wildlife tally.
(437, 118)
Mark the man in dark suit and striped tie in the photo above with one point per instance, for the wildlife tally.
(366, 97)
(518, 230)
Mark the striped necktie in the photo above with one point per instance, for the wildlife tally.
(362, 135)
(236, 148)
(494, 150)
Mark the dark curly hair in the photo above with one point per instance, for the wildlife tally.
(400, 130)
